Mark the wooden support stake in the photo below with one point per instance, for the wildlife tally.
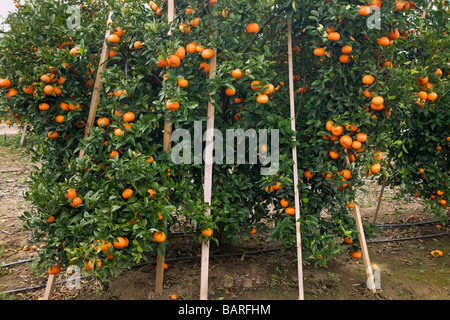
(364, 250)
(48, 294)
(166, 147)
(98, 85)
(295, 166)
(24, 133)
(208, 181)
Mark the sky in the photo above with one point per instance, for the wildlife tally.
(5, 7)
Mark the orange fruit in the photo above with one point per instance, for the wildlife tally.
(432, 96)
(120, 243)
(191, 47)
(183, 83)
(207, 232)
(137, 45)
(344, 58)
(51, 219)
(90, 265)
(236, 73)
(361, 137)
(230, 92)
(151, 192)
(290, 211)
(55, 269)
(28, 89)
(61, 80)
(113, 154)
(334, 36)
(269, 88)
(346, 49)
(284, 203)
(118, 132)
(356, 145)
(208, 53)
(205, 67)
(127, 193)
(59, 119)
(48, 90)
(44, 106)
(11, 93)
(364, 10)
(337, 131)
(5, 83)
(253, 231)
(76, 202)
(114, 38)
(103, 122)
(377, 100)
(129, 117)
(53, 135)
(383, 41)
(255, 85)
(368, 79)
(252, 28)
(334, 155)
(46, 78)
(356, 254)
(319, 52)
(262, 98)
(159, 237)
(71, 194)
(172, 106)
(376, 168)
(348, 240)
(308, 174)
(346, 141)
(174, 61)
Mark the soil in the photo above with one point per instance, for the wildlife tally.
(408, 271)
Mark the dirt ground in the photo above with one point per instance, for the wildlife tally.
(408, 272)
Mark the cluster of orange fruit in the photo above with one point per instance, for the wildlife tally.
(72, 194)
(426, 94)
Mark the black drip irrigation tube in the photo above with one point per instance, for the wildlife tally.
(226, 255)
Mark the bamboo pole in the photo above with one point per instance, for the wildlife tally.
(295, 166)
(208, 181)
(166, 147)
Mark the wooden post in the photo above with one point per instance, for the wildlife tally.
(24, 133)
(166, 147)
(208, 181)
(98, 85)
(363, 244)
(364, 250)
(48, 294)
(295, 166)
